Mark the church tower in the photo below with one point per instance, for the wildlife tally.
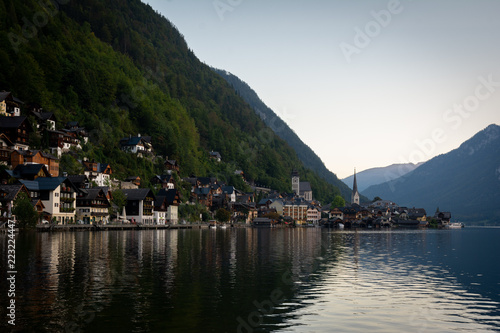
(355, 193)
(295, 182)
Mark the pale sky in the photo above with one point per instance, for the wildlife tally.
(364, 83)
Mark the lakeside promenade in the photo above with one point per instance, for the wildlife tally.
(97, 227)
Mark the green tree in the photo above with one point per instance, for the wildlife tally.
(222, 215)
(119, 199)
(69, 164)
(338, 202)
(26, 215)
(376, 199)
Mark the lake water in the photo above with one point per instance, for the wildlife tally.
(255, 280)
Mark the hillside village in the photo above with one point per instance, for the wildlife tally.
(88, 198)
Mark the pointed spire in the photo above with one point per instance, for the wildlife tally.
(355, 184)
(355, 193)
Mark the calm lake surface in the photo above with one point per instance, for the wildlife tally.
(255, 280)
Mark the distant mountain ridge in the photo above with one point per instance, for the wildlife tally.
(465, 181)
(304, 152)
(379, 175)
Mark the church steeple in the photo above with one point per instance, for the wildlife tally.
(295, 182)
(355, 193)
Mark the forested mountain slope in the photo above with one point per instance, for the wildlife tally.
(120, 68)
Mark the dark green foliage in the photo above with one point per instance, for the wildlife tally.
(192, 212)
(338, 202)
(26, 215)
(121, 69)
(70, 165)
(119, 200)
(222, 215)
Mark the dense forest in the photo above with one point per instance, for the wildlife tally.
(120, 68)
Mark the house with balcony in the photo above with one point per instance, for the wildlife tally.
(336, 213)
(17, 129)
(229, 193)
(215, 155)
(35, 157)
(170, 199)
(6, 148)
(313, 215)
(171, 165)
(58, 195)
(99, 173)
(73, 127)
(140, 145)
(296, 210)
(44, 120)
(163, 182)
(92, 206)
(140, 205)
(10, 106)
(61, 142)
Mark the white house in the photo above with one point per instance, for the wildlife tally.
(140, 205)
(166, 207)
(313, 215)
(58, 195)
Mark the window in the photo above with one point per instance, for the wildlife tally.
(56, 205)
(56, 194)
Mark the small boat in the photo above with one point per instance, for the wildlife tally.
(456, 225)
(341, 225)
(222, 226)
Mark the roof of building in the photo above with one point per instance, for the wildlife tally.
(10, 191)
(46, 183)
(202, 190)
(13, 122)
(91, 194)
(135, 140)
(34, 152)
(29, 170)
(4, 95)
(305, 186)
(44, 116)
(215, 154)
(101, 167)
(170, 195)
(417, 212)
(70, 124)
(6, 139)
(78, 180)
(138, 194)
(207, 180)
(37, 201)
(355, 183)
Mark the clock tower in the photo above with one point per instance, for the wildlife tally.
(296, 183)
